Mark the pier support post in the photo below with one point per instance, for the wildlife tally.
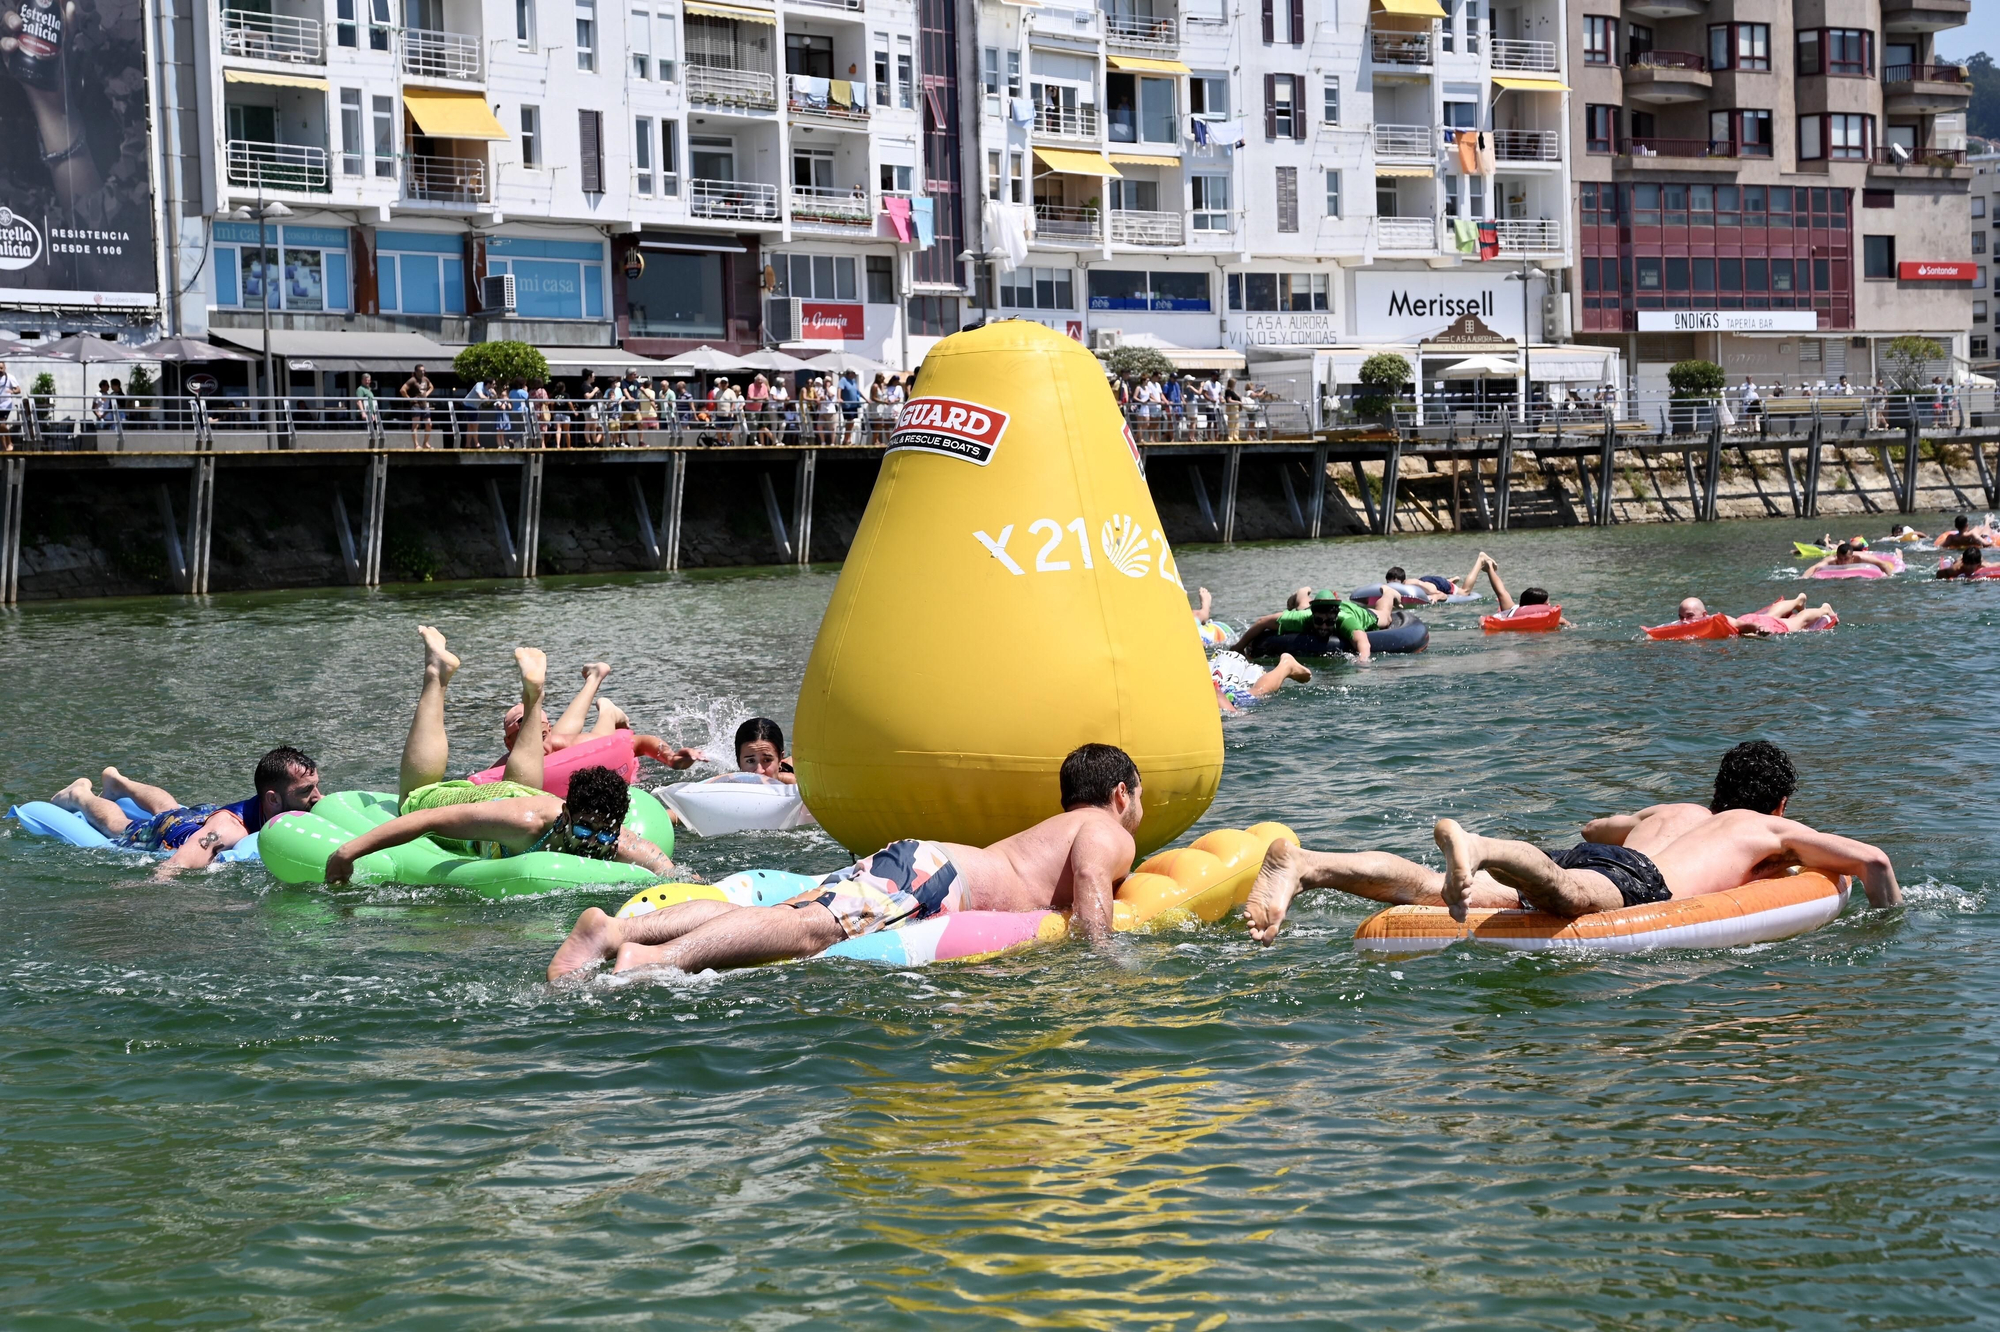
(1987, 480)
(530, 523)
(780, 539)
(649, 541)
(1367, 501)
(13, 478)
(670, 513)
(502, 531)
(1792, 483)
(1906, 494)
(1713, 471)
(802, 503)
(1232, 468)
(1392, 476)
(1319, 491)
(1809, 501)
(1503, 475)
(374, 516)
(1604, 473)
(201, 523)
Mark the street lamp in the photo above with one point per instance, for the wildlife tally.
(261, 213)
(1523, 277)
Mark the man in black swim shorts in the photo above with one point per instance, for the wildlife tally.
(286, 781)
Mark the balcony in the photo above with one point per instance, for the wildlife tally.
(248, 35)
(441, 55)
(1668, 9)
(1919, 163)
(1395, 49)
(450, 180)
(1513, 145)
(1523, 236)
(1055, 122)
(1407, 234)
(719, 85)
(1924, 15)
(650, 184)
(276, 166)
(812, 97)
(1663, 78)
(1065, 224)
(1158, 37)
(850, 6)
(1132, 227)
(1406, 143)
(1925, 90)
(737, 200)
(823, 206)
(1657, 154)
(1512, 55)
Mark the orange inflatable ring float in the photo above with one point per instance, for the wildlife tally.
(1755, 913)
(1524, 620)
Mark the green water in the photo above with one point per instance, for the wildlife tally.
(226, 1103)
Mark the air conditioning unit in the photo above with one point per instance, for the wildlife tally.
(784, 318)
(496, 293)
(1106, 339)
(1556, 321)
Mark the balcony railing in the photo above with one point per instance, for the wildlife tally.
(814, 97)
(1687, 60)
(648, 183)
(1055, 122)
(1063, 224)
(1153, 35)
(852, 6)
(254, 36)
(276, 166)
(1528, 236)
(1526, 146)
(1405, 143)
(1925, 74)
(1517, 54)
(1132, 227)
(460, 180)
(1395, 47)
(1406, 233)
(749, 200)
(441, 55)
(1885, 155)
(1657, 147)
(832, 206)
(736, 87)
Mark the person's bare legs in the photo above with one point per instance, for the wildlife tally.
(610, 717)
(524, 759)
(426, 751)
(1470, 582)
(743, 937)
(1785, 607)
(1376, 875)
(1207, 605)
(1527, 869)
(1807, 615)
(152, 799)
(598, 937)
(104, 815)
(1287, 668)
(570, 724)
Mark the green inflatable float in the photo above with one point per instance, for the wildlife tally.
(295, 848)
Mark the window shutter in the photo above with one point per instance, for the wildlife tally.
(1288, 198)
(1270, 104)
(1298, 106)
(1270, 21)
(1298, 22)
(590, 150)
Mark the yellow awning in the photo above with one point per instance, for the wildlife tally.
(275, 80)
(1072, 162)
(1137, 159)
(1141, 65)
(452, 115)
(1532, 85)
(1411, 8)
(1412, 172)
(741, 13)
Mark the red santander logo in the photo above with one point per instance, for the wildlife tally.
(949, 426)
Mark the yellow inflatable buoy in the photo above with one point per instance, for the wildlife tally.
(1008, 597)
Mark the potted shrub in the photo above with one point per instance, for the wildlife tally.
(1697, 389)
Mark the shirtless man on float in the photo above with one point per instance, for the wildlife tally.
(1659, 853)
(1071, 862)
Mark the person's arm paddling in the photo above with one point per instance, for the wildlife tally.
(518, 820)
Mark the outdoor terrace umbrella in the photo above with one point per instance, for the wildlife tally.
(85, 349)
(9, 347)
(191, 349)
(1480, 367)
(835, 363)
(703, 360)
(775, 362)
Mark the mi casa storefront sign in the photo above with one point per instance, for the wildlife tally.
(1409, 307)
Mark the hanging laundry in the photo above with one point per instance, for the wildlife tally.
(1021, 111)
(1006, 237)
(1489, 240)
(1201, 133)
(1465, 234)
(923, 209)
(1485, 139)
(1468, 155)
(897, 210)
(841, 92)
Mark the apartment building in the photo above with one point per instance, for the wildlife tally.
(1267, 181)
(1985, 216)
(1780, 188)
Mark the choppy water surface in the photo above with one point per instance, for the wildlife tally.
(224, 1103)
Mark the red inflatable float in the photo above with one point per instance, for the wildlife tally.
(612, 751)
(1708, 626)
(1524, 620)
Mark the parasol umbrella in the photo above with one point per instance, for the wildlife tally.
(775, 362)
(1479, 367)
(834, 363)
(85, 349)
(191, 349)
(703, 360)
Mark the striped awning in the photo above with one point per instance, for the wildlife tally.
(1531, 85)
(1074, 162)
(452, 115)
(1411, 8)
(741, 13)
(1140, 159)
(1406, 172)
(1143, 65)
(274, 80)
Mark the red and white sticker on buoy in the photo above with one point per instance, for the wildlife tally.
(950, 426)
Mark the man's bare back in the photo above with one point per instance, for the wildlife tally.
(1648, 830)
(1037, 869)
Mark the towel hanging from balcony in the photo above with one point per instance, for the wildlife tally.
(923, 209)
(841, 91)
(1021, 111)
(1006, 235)
(1465, 235)
(897, 209)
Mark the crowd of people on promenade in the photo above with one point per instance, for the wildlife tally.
(1937, 405)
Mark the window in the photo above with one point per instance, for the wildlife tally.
(353, 143)
(1978, 348)
(809, 55)
(531, 137)
(1448, 28)
(590, 150)
(552, 279)
(379, 25)
(995, 181)
(1979, 242)
(670, 157)
(420, 272)
(1600, 39)
(1740, 133)
(1600, 128)
(586, 34)
(385, 137)
(1038, 289)
(299, 268)
(1017, 176)
(812, 169)
(640, 41)
(1847, 137)
(1979, 312)
(1208, 95)
(1979, 205)
(1333, 192)
(346, 30)
(816, 277)
(882, 83)
(1288, 198)
(1271, 292)
(1284, 112)
(906, 75)
(989, 75)
(1157, 122)
(1744, 46)
(881, 277)
(1878, 198)
(1329, 100)
(1211, 202)
(1013, 73)
(1130, 289)
(1812, 138)
(1849, 52)
(1285, 22)
(678, 295)
(1134, 196)
(1472, 27)
(642, 155)
(1638, 42)
(933, 316)
(524, 24)
(1878, 256)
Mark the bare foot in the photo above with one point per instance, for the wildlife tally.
(437, 657)
(633, 956)
(597, 670)
(1293, 671)
(594, 939)
(534, 664)
(1277, 883)
(71, 797)
(1459, 864)
(115, 785)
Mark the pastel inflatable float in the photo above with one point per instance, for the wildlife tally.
(1199, 883)
(1524, 620)
(43, 819)
(1774, 626)
(1214, 633)
(1755, 913)
(1010, 484)
(736, 802)
(296, 847)
(1861, 570)
(612, 751)
(1983, 572)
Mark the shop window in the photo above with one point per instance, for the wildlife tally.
(420, 273)
(301, 269)
(1878, 257)
(679, 295)
(552, 279)
(1137, 289)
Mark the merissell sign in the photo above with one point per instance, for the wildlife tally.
(1411, 306)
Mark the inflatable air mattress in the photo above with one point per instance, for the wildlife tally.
(736, 802)
(1403, 634)
(1524, 620)
(46, 820)
(1983, 572)
(612, 751)
(1861, 570)
(1708, 626)
(296, 847)
(1755, 913)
